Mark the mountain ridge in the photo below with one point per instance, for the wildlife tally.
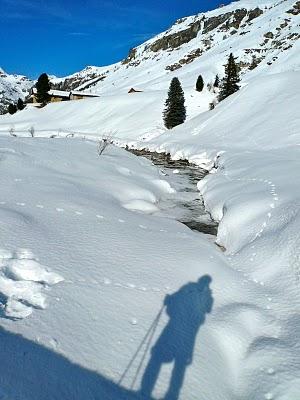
(263, 35)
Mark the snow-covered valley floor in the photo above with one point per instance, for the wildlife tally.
(103, 297)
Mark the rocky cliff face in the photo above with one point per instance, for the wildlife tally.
(260, 33)
(12, 87)
(263, 35)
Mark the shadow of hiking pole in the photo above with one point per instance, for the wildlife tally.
(187, 309)
(149, 334)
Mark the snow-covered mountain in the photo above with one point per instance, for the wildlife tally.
(12, 87)
(98, 286)
(263, 34)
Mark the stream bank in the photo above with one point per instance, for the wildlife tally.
(186, 204)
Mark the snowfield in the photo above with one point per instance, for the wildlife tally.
(69, 209)
(103, 295)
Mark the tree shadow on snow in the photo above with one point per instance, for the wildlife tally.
(31, 371)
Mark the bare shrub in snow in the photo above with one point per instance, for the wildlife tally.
(212, 105)
(12, 131)
(31, 130)
(104, 142)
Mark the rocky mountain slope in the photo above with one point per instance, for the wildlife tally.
(12, 87)
(262, 34)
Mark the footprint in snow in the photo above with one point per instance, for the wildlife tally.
(54, 343)
(143, 289)
(131, 285)
(269, 396)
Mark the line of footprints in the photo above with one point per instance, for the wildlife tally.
(272, 206)
(107, 281)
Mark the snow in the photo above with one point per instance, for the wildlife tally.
(101, 288)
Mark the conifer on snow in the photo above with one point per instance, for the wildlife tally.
(175, 111)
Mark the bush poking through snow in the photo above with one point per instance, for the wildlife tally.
(212, 105)
(31, 131)
(12, 131)
(104, 142)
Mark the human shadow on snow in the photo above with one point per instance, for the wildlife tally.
(31, 371)
(186, 309)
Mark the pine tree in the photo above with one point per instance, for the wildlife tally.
(42, 89)
(20, 104)
(12, 108)
(175, 111)
(199, 84)
(217, 81)
(230, 82)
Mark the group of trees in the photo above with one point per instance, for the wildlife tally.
(13, 108)
(175, 110)
(42, 95)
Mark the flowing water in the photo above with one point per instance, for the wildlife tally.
(186, 204)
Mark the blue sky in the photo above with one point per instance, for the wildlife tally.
(63, 36)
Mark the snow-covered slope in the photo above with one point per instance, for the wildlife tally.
(263, 34)
(12, 87)
(227, 320)
(88, 260)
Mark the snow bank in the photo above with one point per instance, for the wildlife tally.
(66, 204)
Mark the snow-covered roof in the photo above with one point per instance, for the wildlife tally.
(53, 92)
(85, 94)
(59, 93)
(63, 93)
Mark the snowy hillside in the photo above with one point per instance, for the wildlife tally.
(104, 272)
(103, 294)
(263, 34)
(12, 87)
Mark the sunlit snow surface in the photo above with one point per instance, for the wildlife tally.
(67, 207)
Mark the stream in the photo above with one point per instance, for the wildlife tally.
(186, 204)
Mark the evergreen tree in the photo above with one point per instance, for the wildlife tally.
(20, 104)
(217, 81)
(12, 108)
(230, 82)
(199, 84)
(175, 111)
(42, 89)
